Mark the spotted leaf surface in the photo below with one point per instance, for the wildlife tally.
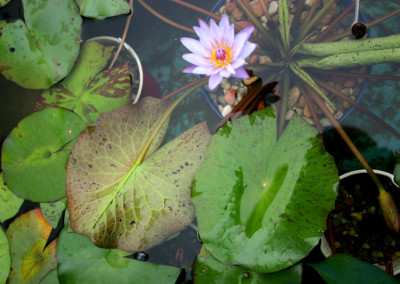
(82, 262)
(41, 51)
(101, 9)
(52, 211)
(121, 202)
(262, 202)
(27, 236)
(35, 153)
(87, 90)
(9, 202)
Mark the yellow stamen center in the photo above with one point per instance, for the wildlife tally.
(221, 55)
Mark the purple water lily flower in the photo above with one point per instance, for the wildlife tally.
(218, 53)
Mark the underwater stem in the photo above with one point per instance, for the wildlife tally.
(284, 101)
(177, 91)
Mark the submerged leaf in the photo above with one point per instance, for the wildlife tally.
(87, 90)
(35, 153)
(9, 202)
(209, 270)
(5, 260)
(261, 202)
(27, 236)
(121, 202)
(41, 51)
(101, 9)
(342, 268)
(82, 262)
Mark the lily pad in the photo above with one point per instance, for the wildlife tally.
(5, 260)
(87, 91)
(262, 202)
(41, 51)
(101, 9)
(9, 202)
(209, 270)
(27, 236)
(50, 278)
(342, 268)
(52, 211)
(121, 201)
(79, 261)
(4, 2)
(35, 153)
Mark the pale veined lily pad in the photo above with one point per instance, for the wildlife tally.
(119, 201)
(342, 268)
(5, 260)
(52, 211)
(4, 2)
(9, 202)
(80, 261)
(261, 202)
(41, 51)
(87, 91)
(101, 9)
(27, 236)
(35, 153)
(209, 270)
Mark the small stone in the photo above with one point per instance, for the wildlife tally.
(241, 92)
(273, 7)
(338, 115)
(230, 96)
(227, 109)
(337, 245)
(243, 24)
(289, 114)
(324, 122)
(253, 58)
(309, 120)
(237, 14)
(221, 99)
(230, 6)
(257, 8)
(225, 84)
(220, 108)
(306, 111)
(262, 59)
(302, 101)
(309, 3)
(346, 104)
(264, 19)
(294, 94)
(350, 83)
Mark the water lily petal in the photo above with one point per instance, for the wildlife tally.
(194, 46)
(204, 70)
(189, 69)
(214, 81)
(241, 38)
(247, 49)
(241, 73)
(238, 63)
(195, 59)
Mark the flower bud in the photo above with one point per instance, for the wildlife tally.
(389, 210)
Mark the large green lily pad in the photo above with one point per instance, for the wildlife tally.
(87, 90)
(27, 236)
(5, 260)
(342, 268)
(9, 202)
(209, 270)
(120, 201)
(101, 9)
(79, 261)
(41, 51)
(261, 202)
(35, 153)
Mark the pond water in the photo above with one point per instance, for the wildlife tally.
(160, 51)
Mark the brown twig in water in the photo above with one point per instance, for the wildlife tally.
(162, 18)
(311, 107)
(184, 88)
(198, 9)
(128, 21)
(296, 19)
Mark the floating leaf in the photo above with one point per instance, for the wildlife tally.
(36, 151)
(79, 261)
(5, 260)
(101, 9)
(209, 270)
(87, 91)
(27, 236)
(9, 202)
(4, 2)
(52, 211)
(261, 202)
(121, 202)
(342, 268)
(41, 51)
(50, 278)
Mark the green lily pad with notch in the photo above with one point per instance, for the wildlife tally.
(4, 2)
(262, 202)
(28, 235)
(5, 259)
(35, 153)
(41, 51)
(9, 202)
(101, 9)
(52, 211)
(79, 261)
(209, 270)
(342, 268)
(120, 201)
(88, 90)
